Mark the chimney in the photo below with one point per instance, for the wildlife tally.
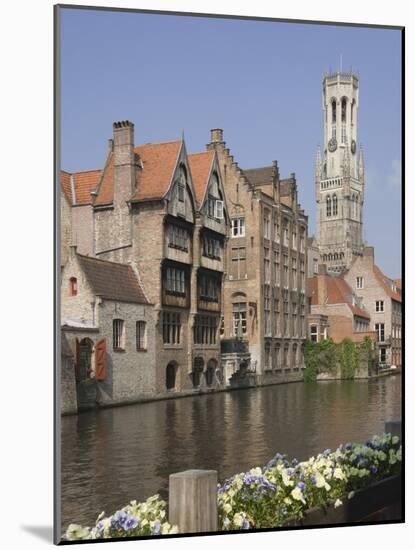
(124, 161)
(216, 135)
(322, 284)
(369, 252)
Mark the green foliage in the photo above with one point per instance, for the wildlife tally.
(319, 357)
(348, 355)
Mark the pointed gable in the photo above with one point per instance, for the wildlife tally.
(155, 167)
(200, 168)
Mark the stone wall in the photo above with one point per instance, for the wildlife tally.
(68, 401)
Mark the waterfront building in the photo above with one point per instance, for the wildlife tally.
(144, 209)
(264, 290)
(382, 298)
(335, 311)
(339, 176)
(108, 321)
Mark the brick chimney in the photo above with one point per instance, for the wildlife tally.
(369, 252)
(322, 284)
(216, 140)
(124, 160)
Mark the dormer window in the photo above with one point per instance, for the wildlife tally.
(73, 286)
(215, 208)
(180, 192)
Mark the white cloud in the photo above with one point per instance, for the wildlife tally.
(395, 174)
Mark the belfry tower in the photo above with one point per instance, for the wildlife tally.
(340, 175)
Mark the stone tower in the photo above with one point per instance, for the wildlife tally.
(340, 175)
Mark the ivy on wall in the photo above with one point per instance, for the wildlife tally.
(341, 360)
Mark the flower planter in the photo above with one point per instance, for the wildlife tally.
(381, 501)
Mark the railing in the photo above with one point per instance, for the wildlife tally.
(193, 500)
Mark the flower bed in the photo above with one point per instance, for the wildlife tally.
(282, 493)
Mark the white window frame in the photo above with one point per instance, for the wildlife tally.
(238, 227)
(360, 282)
(380, 306)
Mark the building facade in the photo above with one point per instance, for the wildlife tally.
(339, 178)
(383, 300)
(264, 288)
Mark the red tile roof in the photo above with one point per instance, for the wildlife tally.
(386, 284)
(200, 167)
(157, 162)
(83, 183)
(338, 292)
(398, 283)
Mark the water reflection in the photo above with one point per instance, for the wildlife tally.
(113, 456)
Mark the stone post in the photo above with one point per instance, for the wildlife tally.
(193, 501)
(394, 427)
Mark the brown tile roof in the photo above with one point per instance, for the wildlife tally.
(157, 160)
(259, 176)
(398, 283)
(386, 284)
(83, 182)
(112, 281)
(200, 166)
(338, 292)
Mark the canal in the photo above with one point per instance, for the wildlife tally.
(112, 456)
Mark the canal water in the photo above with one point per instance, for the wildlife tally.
(112, 456)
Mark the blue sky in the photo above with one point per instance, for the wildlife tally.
(258, 80)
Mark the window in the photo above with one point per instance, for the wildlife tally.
(73, 286)
(238, 227)
(171, 327)
(177, 237)
(315, 266)
(276, 316)
(285, 235)
(238, 262)
(379, 306)
(382, 355)
(302, 242)
(328, 206)
(314, 333)
(267, 310)
(209, 288)
(204, 330)
(302, 328)
(239, 318)
(294, 273)
(285, 274)
(344, 104)
(333, 111)
(266, 226)
(215, 208)
(211, 247)
(380, 329)
(181, 184)
(334, 205)
(277, 356)
(359, 282)
(285, 306)
(222, 326)
(302, 274)
(266, 265)
(171, 376)
(276, 268)
(294, 319)
(118, 337)
(294, 240)
(343, 134)
(140, 335)
(267, 357)
(276, 231)
(175, 281)
(286, 364)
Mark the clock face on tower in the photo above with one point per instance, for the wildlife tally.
(332, 144)
(353, 146)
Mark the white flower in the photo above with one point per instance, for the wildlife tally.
(350, 495)
(255, 471)
(238, 520)
(395, 440)
(339, 474)
(338, 503)
(77, 532)
(227, 508)
(297, 494)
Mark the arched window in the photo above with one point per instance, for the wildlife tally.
(333, 111)
(352, 112)
(328, 206)
(330, 257)
(336, 257)
(197, 370)
(210, 371)
(73, 286)
(334, 205)
(344, 105)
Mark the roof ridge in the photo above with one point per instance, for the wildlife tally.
(158, 143)
(101, 260)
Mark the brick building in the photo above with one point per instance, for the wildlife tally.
(264, 289)
(382, 299)
(109, 323)
(145, 208)
(334, 310)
